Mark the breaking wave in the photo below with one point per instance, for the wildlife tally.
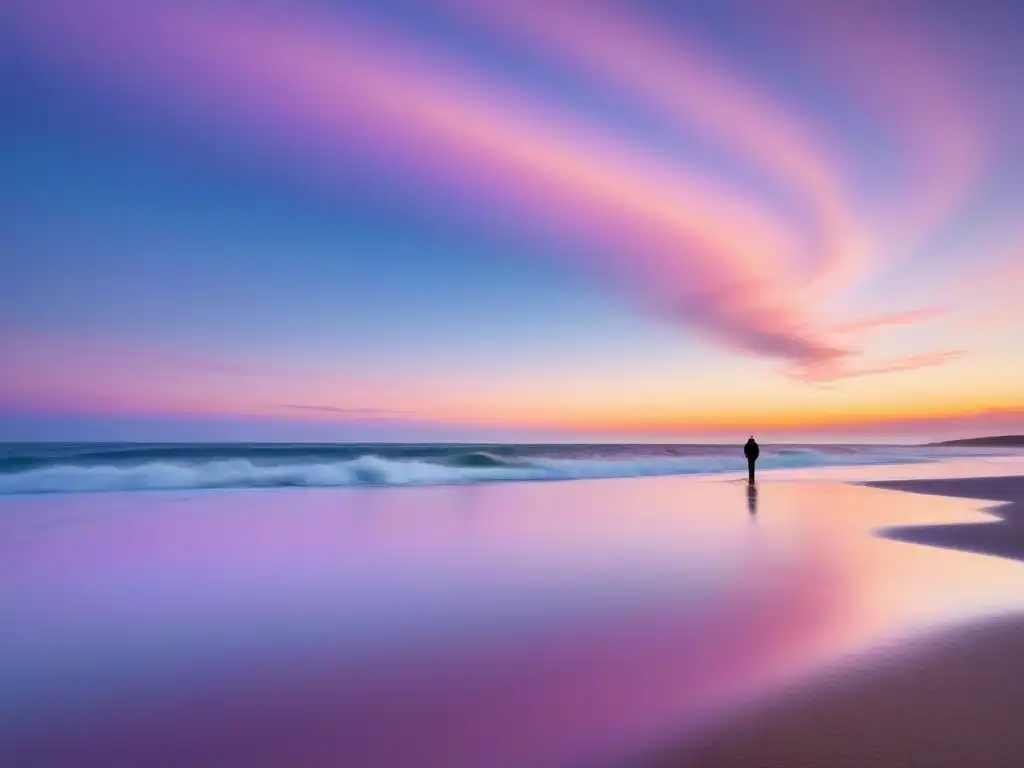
(65, 475)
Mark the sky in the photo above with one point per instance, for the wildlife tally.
(477, 220)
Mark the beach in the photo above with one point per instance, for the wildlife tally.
(953, 702)
(661, 620)
(1004, 538)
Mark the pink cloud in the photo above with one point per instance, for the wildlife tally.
(698, 90)
(316, 88)
(686, 244)
(841, 369)
(889, 319)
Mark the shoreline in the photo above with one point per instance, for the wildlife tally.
(953, 702)
(1003, 536)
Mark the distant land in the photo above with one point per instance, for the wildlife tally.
(998, 440)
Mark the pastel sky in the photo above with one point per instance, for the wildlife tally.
(488, 220)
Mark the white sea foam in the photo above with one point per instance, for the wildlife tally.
(376, 470)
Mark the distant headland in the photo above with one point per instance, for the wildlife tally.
(1001, 441)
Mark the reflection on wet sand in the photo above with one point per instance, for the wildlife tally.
(512, 624)
(953, 702)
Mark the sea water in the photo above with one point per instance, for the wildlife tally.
(89, 467)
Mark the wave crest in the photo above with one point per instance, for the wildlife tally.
(475, 467)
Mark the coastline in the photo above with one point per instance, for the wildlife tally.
(952, 702)
(1001, 537)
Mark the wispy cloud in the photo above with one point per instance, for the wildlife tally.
(633, 55)
(908, 317)
(829, 372)
(352, 412)
(665, 232)
(677, 239)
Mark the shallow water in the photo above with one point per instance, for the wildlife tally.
(469, 625)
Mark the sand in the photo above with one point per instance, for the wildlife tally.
(957, 701)
(1003, 537)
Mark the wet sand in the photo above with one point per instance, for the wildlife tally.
(956, 701)
(1003, 537)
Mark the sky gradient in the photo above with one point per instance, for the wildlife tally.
(465, 220)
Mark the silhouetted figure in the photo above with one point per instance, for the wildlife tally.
(751, 451)
(751, 499)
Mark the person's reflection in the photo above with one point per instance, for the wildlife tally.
(467, 506)
(752, 499)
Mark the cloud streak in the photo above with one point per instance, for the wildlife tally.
(890, 319)
(686, 244)
(665, 233)
(842, 370)
(676, 77)
(353, 412)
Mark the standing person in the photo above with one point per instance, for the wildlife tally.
(751, 451)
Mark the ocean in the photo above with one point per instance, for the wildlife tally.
(27, 468)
